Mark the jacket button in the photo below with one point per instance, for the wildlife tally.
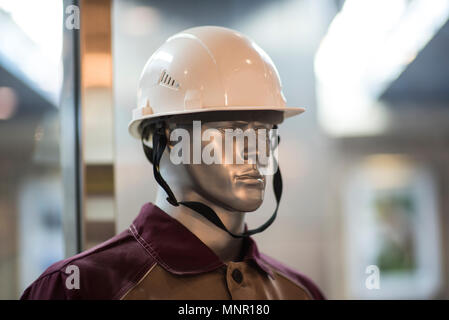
(237, 275)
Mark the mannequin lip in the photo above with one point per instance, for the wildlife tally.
(253, 178)
(249, 176)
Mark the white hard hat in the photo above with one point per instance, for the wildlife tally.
(208, 69)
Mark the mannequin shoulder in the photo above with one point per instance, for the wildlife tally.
(294, 276)
(105, 271)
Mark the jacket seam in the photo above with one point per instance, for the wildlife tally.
(120, 296)
(149, 248)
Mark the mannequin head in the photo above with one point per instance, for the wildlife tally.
(237, 186)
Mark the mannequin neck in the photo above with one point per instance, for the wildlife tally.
(226, 247)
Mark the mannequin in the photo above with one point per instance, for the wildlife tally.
(230, 196)
(193, 243)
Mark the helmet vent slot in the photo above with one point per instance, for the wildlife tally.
(167, 81)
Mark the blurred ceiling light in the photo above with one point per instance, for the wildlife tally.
(388, 171)
(32, 42)
(367, 46)
(141, 20)
(8, 103)
(41, 21)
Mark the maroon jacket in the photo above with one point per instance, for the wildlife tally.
(158, 258)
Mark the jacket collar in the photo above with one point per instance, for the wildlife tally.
(177, 249)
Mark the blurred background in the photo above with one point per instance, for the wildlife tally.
(366, 167)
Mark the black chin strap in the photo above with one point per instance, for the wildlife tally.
(154, 156)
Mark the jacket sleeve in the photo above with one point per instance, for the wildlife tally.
(48, 287)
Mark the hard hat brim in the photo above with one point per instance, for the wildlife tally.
(133, 127)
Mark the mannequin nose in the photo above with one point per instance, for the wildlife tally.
(250, 152)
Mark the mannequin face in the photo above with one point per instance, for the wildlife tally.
(233, 186)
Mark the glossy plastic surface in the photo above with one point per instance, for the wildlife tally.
(208, 69)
